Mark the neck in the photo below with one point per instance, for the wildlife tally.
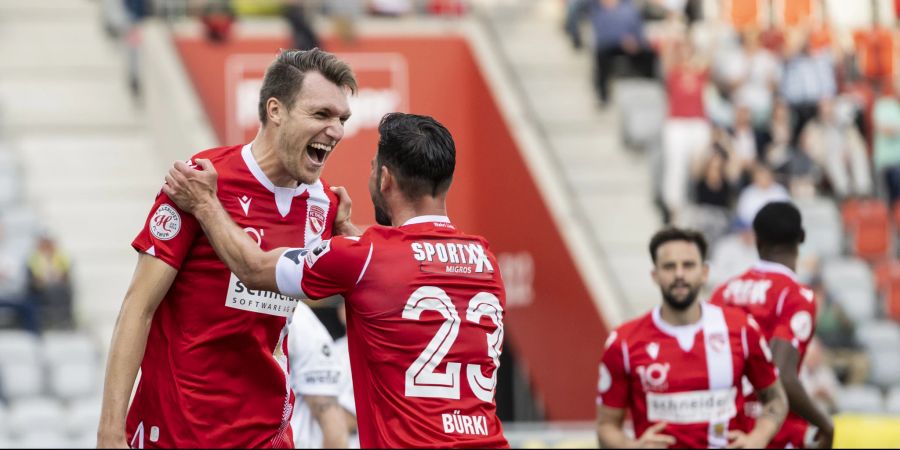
(788, 260)
(263, 150)
(427, 206)
(677, 317)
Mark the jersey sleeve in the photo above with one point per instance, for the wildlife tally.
(613, 387)
(797, 317)
(333, 267)
(315, 369)
(759, 369)
(168, 232)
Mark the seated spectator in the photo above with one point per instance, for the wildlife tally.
(887, 142)
(832, 140)
(13, 282)
(809, 78)
(686, 132)
(49, 284)
(763, 189)
(618, 32)
(715, 184)
(789, 164)
(744, 138)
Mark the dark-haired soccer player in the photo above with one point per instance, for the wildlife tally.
(786, 312)
(425, 302)
(678, 369)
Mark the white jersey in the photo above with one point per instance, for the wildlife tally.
(345, 398)
(315, 370)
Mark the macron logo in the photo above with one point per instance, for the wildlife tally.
(245, 204)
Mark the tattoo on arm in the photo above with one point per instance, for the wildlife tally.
(774, 410)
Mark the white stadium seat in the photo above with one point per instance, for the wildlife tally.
(861, 399)
(35, 415)
(878, 334)
(73, 380)
(21, 380)
(17, 346)
(892, 403)
(884, 366)
(849, 281)
(824, 230)
(47, 438)
(60, 347)
(82, 418)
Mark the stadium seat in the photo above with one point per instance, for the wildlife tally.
(824, 230)
(860, 398)
(892, 403)
(17, 346)
(868, 224)
(850, 283)
(884, 366)
(887, 276)
(34, 415)
(878, 334)
(82, 418)
(73, 380)
(642, 108)
(45, 438)
(60, 347)
(21, 380)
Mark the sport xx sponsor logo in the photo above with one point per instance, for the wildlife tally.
(453, 258)
(457, 423)
(165, 223)
(316, 219)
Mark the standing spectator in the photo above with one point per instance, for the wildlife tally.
(686, 132)
(618, 31)
(808, 79)
(887, 142)
(758, 72)
(835, 144)
(715, 184)
(304, 37)
(49, 283)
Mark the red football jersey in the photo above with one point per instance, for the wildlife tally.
(687, 376)
(784, 309)
(214, 370)
(425, 307)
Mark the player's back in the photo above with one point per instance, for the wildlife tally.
(425, 327)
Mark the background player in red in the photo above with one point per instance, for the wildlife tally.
(678, 369)
(786, 313)
(425, 302)
(205, 342)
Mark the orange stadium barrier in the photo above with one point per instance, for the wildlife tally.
(550, 312)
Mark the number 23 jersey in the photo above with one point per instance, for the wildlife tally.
(425, 307)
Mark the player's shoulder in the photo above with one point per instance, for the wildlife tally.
(633, 329)
(735, 317)
(218, 154)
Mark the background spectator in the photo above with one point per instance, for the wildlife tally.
(886, 118)
(49, 284)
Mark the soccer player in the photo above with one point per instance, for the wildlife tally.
(425, 302)
(786, 312)
(316, 378)
(211, 348)
(678, 368)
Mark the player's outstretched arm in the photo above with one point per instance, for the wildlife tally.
(774, 410)
(787, 358)
(195, 192)
(152, 279)
(611, 435)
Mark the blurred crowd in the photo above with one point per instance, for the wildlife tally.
(763, 101)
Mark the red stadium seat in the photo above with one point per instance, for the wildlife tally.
(887, 277)
(868, 224)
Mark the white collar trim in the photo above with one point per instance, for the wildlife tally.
(769, 266)
(684, 334)
(426, 219)
(260, 176)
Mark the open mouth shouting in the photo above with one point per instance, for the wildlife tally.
(317, 152)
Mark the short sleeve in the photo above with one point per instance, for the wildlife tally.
(168, 233)
(796, 321)
(332, 267)
(759, 368)
(315, 369)
(613, 387)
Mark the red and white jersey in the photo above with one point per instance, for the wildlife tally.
(784, 309)
(687, 376)
(425, 306)
(214, 369)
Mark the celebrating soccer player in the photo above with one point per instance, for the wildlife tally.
(786, 313)
(425, 302)
(678, 368)
(210, 347)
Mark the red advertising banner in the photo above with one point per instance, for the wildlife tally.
(552, 321)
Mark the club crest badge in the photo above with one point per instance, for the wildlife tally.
(165, 223)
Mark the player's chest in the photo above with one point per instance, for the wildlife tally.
(667, 365)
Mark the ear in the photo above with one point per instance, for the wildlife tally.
(705, 272)
(387, 179)
(274, 110)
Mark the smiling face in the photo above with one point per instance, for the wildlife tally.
(308, 132)
(680, 273)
